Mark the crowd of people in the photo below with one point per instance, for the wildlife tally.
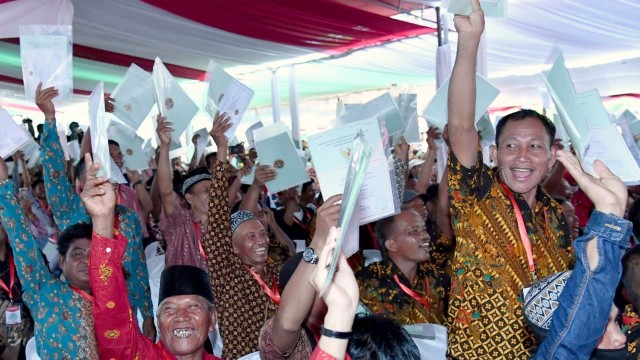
(533, 258)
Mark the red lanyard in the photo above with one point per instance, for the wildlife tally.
(295, 219)
(82, 293)
(524, 237)
(374, 240)
(196, 226)
(273, 294)
(12, 278)
(627, 320)
(413, 294)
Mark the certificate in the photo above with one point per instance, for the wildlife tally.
(227, 95)
(561, 132)
(249, 133)
(275, 147)
(173, 102)
(130, 145)
(45, 53)
(99, 137)
(408, 106)
(330, 152)
(133, 97)
(12, 136)
(491, 8)
(383, 108)
(486, 129)
(606, 144)
(201, 143)
(437, 112)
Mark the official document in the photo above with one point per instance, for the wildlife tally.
(130, 145)
(12, 135)
(100, 137)
(383, 108)
(227, 95)
(134, 97)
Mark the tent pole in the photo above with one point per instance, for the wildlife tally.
(439, 26)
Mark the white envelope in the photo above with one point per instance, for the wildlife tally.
(437, 112)
(12, 136)
(99, 137)
(227, 95)
(130, 145)
(133, 97)
(173, 102)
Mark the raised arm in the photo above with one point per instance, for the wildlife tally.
(588, 294)
(165, 174)
(111, 308)
(263, 173)
(65, 203)
(194, 160)
(26, 177)
(143, 195)
(424, 176)
(462, 87)
(298, 296)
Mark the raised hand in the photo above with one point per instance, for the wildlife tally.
(221, 123)
(327, 217)
(44, 100)
(472, 24)
(263, 174)
(164, 130)
(401, 150)
(433, 134)
(606, 190)
(342, 293)
(108, 104)
(194, 139)
(98, 195)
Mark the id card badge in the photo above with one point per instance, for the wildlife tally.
(13, 314)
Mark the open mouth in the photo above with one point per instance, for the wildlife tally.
(183, 333)
(424, 246)
(261, 251)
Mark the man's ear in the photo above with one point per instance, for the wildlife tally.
(553, 157)
(61, 259)
(390, 245)
(493, 151)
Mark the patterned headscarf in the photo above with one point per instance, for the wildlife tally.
(239, 217)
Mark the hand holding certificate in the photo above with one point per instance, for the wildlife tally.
(12, 136)
(46, 56)
(130, 145)
(347, 222)
(173, 102)
(99, 137)
(133, 97)
(227, 95)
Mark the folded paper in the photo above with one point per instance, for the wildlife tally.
(130, 145)
(383, 108)
(99, 137)
(133, 97)
(12, 135)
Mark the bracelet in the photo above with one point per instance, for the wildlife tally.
(335, 334)
(136, 184)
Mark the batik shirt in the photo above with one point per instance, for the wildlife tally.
(68, 209)
(179, 232)
(116, 331)
(381, 294)
(490, 266)
(242, 304)
(62, 317)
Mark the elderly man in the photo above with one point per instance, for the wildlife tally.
(244, 284)
(508, 231)
(185, 314)
(403, 285)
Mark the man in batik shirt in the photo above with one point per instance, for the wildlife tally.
(490, 211)
(244, 284)
(61, 309)
(69, 209)
(404, 285)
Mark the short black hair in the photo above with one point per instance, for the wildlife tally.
(113, 142)
(71, 234)
(382, 229)
(36, 182)
(631, 275)
(80, 170)
(376, 337)
(432, 193)
(210, 158)
(523, 114)
(306, 185)
(634, 217)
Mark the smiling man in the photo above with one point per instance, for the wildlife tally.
(508, 231)
(404, 285)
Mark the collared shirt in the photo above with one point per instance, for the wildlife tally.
(382, 295)
(242, 304)
(62, 317)
(179, 233)
(68, 209)
(490, 266)
(114, 325)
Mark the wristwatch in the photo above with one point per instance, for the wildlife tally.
(309, 256)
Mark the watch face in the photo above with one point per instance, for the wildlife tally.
(310, 256)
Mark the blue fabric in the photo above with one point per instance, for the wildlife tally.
(68, 209)
(585, 303)
(62, 318)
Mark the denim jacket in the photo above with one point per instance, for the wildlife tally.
(585, 303)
